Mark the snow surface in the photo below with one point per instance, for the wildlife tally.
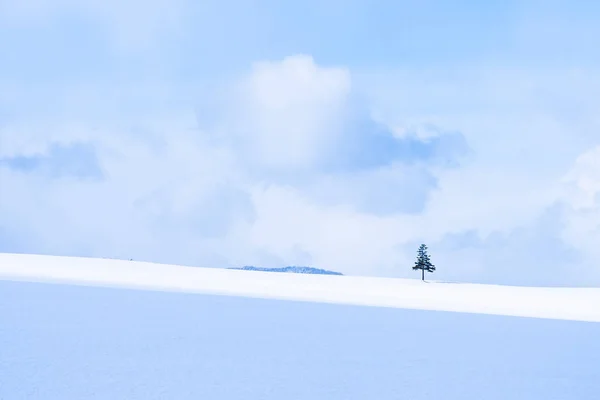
(72, 341)
(581, 304)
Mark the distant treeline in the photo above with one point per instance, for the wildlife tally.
(290, 269)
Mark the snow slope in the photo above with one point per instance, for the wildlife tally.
(581, 304)
(75, 341)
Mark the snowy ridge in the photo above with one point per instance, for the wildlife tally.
(290, 269)
(581, 304)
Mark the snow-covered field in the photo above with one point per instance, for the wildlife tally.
(95, 336)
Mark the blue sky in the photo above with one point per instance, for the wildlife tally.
(339, 134)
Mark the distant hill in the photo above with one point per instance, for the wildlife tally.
(290, 269)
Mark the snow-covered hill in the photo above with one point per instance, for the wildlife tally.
(290, 269)
(92, 337)
(581, 304)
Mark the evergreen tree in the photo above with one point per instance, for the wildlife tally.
(423, 262)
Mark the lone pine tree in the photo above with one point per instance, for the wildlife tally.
(423, 262)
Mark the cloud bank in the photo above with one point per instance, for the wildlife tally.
(288, 159)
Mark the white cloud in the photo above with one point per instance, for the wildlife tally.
(290, 113)
(582, 196)
(143, 208)
(387, 190)
(583, 181)
(173, 194)
(521, 132)
(336, 237)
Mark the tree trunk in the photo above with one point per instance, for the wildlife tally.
(423, 274)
